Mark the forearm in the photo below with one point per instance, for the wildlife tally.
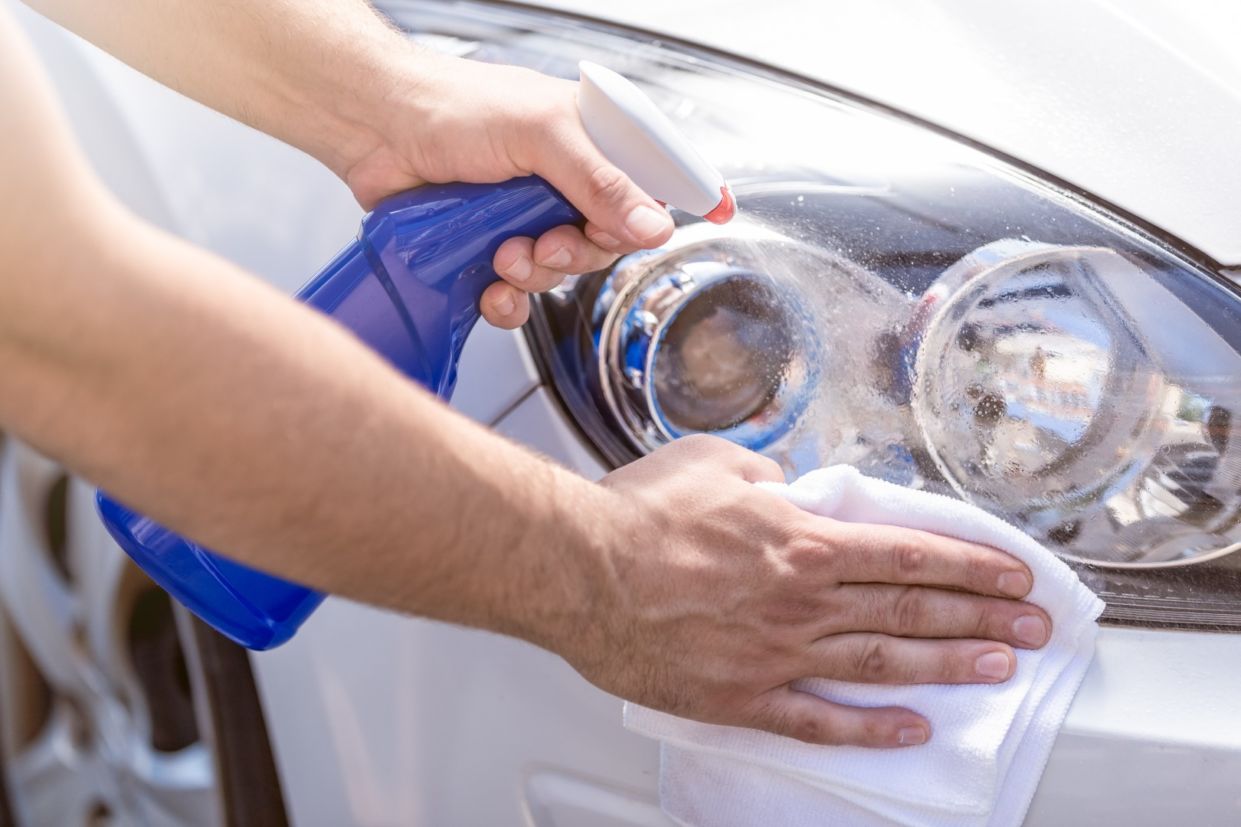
(314, 73)
(264, 431)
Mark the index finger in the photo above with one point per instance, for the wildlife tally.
(907, 556)
(608, 198)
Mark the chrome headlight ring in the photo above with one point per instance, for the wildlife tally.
(701, 337)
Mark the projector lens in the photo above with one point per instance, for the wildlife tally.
(723, 357)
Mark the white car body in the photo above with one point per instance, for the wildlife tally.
(378, 719)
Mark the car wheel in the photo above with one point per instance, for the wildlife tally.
(117, 707)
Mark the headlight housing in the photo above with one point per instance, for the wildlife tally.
(897, 299)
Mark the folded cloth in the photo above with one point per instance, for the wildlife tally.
(990, 742)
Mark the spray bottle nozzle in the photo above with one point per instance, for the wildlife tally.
(632, 132)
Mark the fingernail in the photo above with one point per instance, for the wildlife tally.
(504, 305)
(644, 223)
(519, 270)
(911, 736)
(993, 665)
(1015, 583)
(558, 259)
(1030, 630)
(605, 241)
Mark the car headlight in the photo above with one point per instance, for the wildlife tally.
(897, 299)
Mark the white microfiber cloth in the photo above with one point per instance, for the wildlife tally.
(990, 742)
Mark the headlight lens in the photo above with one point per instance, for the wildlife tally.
(699, 338)
(900, 301)
(1067, 389)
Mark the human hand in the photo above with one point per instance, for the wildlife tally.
(723, 595)
(462, 120)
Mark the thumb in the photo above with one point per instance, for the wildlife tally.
(604, 194)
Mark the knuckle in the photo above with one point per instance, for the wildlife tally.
(809, 729)
(909, 611)
(985, 621)
(792, 723)
(872, 659)
(803, 552)
(872, 730)
(911, 560)
(765, 467)
(607, 184)
(702, 445)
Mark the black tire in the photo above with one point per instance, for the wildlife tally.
(248, 778)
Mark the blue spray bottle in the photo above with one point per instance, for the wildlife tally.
(409, 286)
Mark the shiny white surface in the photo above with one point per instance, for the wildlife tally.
(384, 721)
(1153, 736)
(1136, 101)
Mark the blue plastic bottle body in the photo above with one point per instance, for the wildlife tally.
(409, 287)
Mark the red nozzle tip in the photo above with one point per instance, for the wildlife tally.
(724, 211)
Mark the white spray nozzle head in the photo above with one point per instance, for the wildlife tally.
(635, 135)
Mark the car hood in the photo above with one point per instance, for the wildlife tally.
(1138, 103)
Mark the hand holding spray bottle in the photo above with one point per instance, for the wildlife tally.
(409, 287)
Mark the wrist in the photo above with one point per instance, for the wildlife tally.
(398, 109)
(572, 558)
(366, 113)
